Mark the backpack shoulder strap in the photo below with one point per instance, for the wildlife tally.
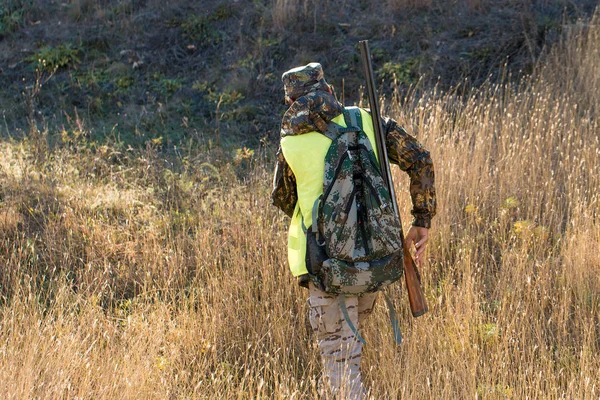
(333, 130)
(353, 121)
(393, 318)
(344, 310)
(353, 117)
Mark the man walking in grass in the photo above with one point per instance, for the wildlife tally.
(298, 183)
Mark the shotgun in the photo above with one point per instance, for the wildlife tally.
(416, 297)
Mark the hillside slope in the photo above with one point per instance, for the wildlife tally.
(163, 72)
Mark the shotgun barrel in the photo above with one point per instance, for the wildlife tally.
(416, 297)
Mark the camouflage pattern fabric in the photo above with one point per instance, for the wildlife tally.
(299, 81)
(340, 277)
(412, 158)
(358, 214)
(339, 348)
(356, 221)
(309, 113)
(284, 194)
(403, 149)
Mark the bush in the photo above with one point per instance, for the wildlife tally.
(50, 59)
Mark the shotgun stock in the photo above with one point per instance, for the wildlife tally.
(416, 297)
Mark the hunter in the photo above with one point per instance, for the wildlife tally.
(298, 182)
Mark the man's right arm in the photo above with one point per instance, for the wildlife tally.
(412, 158)
(284, 194)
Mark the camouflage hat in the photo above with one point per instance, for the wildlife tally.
(300, 81)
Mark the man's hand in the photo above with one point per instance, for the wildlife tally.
(419, 236)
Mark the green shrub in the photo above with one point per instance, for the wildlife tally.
(124, 82)
(50, 59)
(223, 12)
(404, 72)
(10, 20)
(92, 79)
(225, 98)
(171, 85)
(197, 27)
(165, 87)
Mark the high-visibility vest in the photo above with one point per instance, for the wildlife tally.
(305, 154)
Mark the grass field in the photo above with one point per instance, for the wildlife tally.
(128, 274)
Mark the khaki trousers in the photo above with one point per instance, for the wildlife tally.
(340, 349)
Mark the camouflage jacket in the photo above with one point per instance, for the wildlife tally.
(313, 112)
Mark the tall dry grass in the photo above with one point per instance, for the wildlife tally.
(121, 278)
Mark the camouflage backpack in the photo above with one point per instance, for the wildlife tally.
(355, 242)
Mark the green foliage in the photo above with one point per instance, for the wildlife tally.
(203, 86)
(495, 392)
(74, 138)
(222, 13)
(378, 53)
(546, 23)
(12, 16)
(94, 83)
(123, 8)
(165, 87)
(93, 78)
(124, 82)
(245, 113)
(10, 21)
(483, 53)
(225, 103)
(269, 42)
(510, 203)
(170, 86)
(107, 69)
(243, 159)
(489, 333)
(197, 28)
(50, 59)
(247, 62)
(403, 72)
(223, 99)
(242, 154)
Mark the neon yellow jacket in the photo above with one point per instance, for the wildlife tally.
(305, 154)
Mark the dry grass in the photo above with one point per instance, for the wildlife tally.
(127, 280)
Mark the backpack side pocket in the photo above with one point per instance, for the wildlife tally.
(315, 254)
